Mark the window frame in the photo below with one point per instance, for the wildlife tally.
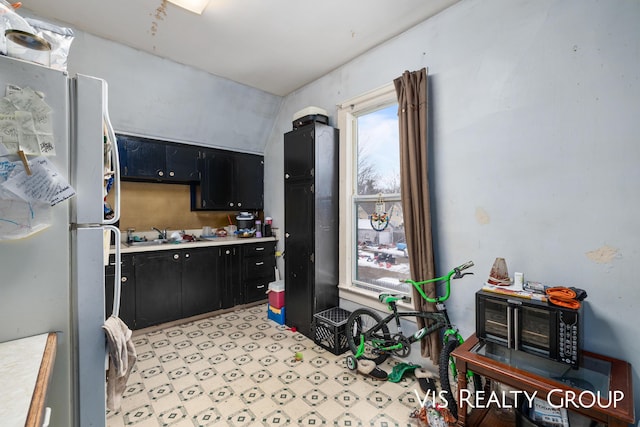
(348, 112)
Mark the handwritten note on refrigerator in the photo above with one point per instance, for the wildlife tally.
(45, 184)
(26, 122)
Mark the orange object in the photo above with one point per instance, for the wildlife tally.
(563, 297)
(16, 5)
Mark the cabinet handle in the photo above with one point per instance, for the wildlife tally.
(260, 287)
(160, 173)
(187, 255)
(286, 176)
(227, 252)
(172, 173)
(123, 279)
(231, 204)
(176, 256)
(286, 235)
(259, 249)
(260, 263)
(239, 204)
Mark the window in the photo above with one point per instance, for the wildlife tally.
(374, 244)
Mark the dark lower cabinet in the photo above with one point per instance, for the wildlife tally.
(200, 290)
(229, 279)
(176, 284)
(166, 285)
(158, 287)
(258, 270)
(127, 311)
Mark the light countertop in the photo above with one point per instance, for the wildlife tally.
(22, 365)
(217, 241)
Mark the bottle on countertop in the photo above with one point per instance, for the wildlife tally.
(258, 228)
(267, 226)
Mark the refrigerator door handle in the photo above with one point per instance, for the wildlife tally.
(111, 135)
(117, 284)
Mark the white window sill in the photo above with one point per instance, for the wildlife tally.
(369, 299)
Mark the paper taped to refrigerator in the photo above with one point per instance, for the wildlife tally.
(45, 184)
(19, 219)
(26, 122)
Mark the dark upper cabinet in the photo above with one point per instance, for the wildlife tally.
(182, 162)
(229, 181)
(249, 181)
(146, 159)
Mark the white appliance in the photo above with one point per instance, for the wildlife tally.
(54, 279)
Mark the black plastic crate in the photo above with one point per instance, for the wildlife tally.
(329, 329)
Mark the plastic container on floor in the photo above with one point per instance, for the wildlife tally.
(276, 314)
(276, 299)
(328, 329)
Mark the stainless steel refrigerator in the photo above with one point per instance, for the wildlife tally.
(53, 280)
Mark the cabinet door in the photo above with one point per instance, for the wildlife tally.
(299, 243)
(218, 181)
(141, 158)
(229, 276)
(249, 181)
(182, 163)
(200, 290)
(158, 290)
(127, 293)
(299, 153)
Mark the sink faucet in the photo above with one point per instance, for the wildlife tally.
(162, 234)
(130, 234)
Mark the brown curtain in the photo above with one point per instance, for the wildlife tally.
(411, 89)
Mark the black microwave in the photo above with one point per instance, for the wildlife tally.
(531, 326)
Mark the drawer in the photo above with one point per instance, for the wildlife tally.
(260, 267)
(259, 249)
(256, 291)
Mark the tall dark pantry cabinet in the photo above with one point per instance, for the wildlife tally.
(311, 222)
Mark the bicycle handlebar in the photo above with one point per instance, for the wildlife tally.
(464, 266)
(455, 274)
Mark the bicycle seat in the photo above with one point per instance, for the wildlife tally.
(390, 298)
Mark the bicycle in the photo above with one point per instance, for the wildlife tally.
(369, 336)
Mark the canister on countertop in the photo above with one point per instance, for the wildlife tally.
(267, 226)
(245, 221)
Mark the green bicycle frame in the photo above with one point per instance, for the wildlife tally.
(448, 333)
(447, 291)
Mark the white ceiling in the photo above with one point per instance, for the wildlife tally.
(274, 45)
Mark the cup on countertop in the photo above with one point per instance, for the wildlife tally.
(231, 230)
(207, 231)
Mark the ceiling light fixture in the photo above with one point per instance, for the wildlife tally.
(195, 6)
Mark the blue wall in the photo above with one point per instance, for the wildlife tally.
(534, 122)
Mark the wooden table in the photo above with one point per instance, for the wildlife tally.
(469, 356)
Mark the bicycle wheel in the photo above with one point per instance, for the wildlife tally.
(360, 322)
(449, 378)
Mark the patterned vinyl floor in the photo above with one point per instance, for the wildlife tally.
(239, 369)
